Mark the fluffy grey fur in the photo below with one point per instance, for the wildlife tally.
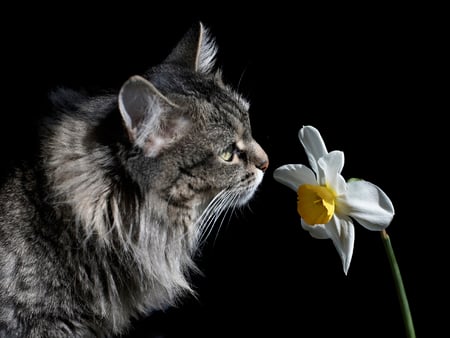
(104, 224)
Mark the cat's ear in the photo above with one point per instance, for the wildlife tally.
(152, 121)
(196, 50)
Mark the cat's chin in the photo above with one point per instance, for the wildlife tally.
(246, 195)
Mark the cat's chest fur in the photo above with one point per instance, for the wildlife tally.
(104, 223)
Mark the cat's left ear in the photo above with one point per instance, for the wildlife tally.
(152, 121)
(196, 50)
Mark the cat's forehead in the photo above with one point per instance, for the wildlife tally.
(208, 100)
(226, 109)
(227, 125)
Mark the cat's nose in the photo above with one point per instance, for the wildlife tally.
(263, 165)
(260, 159)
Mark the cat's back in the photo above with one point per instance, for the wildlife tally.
(20, 199)
(25, 193)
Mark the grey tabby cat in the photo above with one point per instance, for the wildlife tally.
(105, 225)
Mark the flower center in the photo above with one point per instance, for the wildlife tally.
(315, 203)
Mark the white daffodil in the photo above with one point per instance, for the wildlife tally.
(327, 204)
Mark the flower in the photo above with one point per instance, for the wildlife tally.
(327, 204)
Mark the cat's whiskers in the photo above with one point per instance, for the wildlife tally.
(205, 217)
(226, 200)
(230, 210)
(220, 212)
(210, 215)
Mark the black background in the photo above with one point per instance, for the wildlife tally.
(368, 78)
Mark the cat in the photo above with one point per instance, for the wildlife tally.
(104, 225)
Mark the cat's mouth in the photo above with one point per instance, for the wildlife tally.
(246, 195)
(246, 191)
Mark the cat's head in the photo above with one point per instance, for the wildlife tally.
(191, 129)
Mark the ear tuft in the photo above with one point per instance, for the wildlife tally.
(206, 52)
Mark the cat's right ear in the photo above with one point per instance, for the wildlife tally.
(152, 121)
(197, 50)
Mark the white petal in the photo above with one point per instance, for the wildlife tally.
(317, 231)
(294, 175)
(313, 143)
(342, 233)
(368, 205)
(330, 167)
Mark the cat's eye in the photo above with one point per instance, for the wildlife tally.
(228, 154)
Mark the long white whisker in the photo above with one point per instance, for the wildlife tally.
(213, 215)
(215, 210)
(205, 217)
(210, 208)
(223, 211)
(229, 212)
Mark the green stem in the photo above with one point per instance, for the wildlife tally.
(406, 313)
